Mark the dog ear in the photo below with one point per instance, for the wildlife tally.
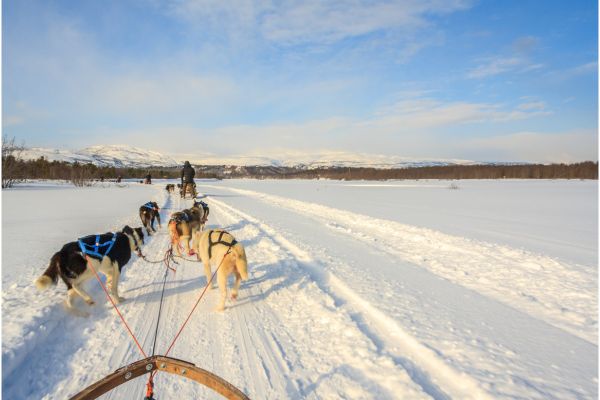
(140, 233)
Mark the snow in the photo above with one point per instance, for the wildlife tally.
(104, 155)
(130, 156)
(35, 153)
(357, 290)
(320, 159)
(127, 156)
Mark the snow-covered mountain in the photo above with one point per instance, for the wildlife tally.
(320, 159)
(110, 155)
(128, 156)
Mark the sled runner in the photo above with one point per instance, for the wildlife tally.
(164, 364)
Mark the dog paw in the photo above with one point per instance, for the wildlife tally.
(234, 296)
(75, 311)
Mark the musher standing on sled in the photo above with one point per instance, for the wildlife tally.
(187, 179)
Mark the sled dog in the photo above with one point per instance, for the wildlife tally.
(138, 235)
(217, 246)
(188, 188)
(184, 223)
(148, 213)
(71, 263)
(170, 187)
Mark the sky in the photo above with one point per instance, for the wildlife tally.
(483, 80)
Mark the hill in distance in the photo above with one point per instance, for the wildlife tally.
(122, 156)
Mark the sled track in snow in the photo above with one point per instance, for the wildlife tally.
(426, 369)
(524, 280)
(309, 323)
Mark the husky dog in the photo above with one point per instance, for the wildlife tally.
(170, 187)
(138, 235)
(204, 214)
(217, 246)
(148, 213)
(71, 263)
(184, 223)
(188, 188)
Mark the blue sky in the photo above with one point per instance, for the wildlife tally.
(479, 80)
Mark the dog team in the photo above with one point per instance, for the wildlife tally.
(108, 253)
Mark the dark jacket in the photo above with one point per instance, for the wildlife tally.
(187, 173)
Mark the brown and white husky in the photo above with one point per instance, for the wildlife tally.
(184, 224)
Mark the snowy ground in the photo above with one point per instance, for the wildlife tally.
(357, 290)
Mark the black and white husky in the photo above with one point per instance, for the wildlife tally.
(148, 213)
(71, 263)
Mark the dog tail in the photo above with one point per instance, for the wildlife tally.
(241, 263)
(50, 275)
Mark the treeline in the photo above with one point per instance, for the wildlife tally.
(583, 170)
(44, 169)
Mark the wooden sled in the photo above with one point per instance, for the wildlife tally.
(162, 364)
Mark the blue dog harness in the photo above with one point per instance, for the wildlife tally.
(149, 205)
(180, 216)
(94, 249)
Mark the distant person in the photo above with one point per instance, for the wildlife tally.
(149, 179)
(119, 179)
(187, 179)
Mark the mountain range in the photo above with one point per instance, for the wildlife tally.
(123, 156)
(119, 156)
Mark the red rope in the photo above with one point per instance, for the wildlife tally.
(197, 302)
(150, 388)
(169, 258)
(115, 306)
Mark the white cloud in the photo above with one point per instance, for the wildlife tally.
(421, 127)
(314, 21)
(539, 146)
(517, 59)
(11, 120)
(500, 65)
(573, 72)
(578, 70)
(20, 113)
(416, 127)
(162, 94)
(585, 68)
(426, 113)
(534, 105)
